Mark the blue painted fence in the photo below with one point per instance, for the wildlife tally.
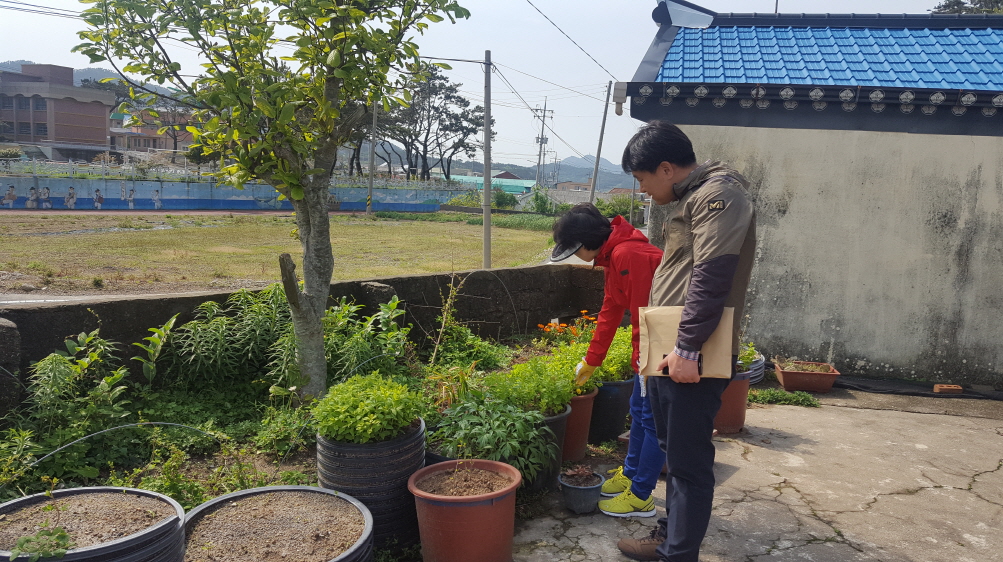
(104, 194)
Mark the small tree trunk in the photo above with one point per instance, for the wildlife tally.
(307, 306)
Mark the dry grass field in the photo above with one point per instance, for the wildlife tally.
(139, 253)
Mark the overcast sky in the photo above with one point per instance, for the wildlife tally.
(615, 32)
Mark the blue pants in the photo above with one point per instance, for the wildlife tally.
(684, 420)
(644, 457)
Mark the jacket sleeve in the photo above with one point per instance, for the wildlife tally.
(610, 316)
(721, 216)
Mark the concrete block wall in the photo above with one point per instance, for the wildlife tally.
(495, 303)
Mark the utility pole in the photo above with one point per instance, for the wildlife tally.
(602, 130)
(487, 160)
(372, 162)
(542, 139)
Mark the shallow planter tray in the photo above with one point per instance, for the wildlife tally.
(360, 551)
(163, 541)
(810, 381)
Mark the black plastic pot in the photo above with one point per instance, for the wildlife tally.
(361, 551)
(609, 412)
(547, 477)
(163, 542)
(581, 499)
(376, 474)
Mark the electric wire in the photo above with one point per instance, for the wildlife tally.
(572, 40)
(548, 127)
(553, 83)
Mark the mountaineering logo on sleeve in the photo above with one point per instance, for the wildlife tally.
(716, 205)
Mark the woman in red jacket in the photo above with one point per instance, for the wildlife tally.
(629, 261)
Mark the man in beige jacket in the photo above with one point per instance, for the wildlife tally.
(710, 244)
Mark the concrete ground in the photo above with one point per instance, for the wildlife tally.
(866, 477)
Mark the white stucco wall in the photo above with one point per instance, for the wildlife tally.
(882, 252)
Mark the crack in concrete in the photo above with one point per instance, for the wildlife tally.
(971, 484)
(779, 543)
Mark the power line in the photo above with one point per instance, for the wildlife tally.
(573, 41)
(552, 83)
(41, 12)
(551, 129)
(74, 12)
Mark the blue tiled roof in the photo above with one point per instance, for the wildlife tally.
(970, 59)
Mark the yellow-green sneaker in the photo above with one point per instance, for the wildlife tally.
(628, 505)
(615, 484)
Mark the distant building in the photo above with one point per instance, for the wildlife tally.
(572, 186)
(41, 107)
(143, 139)
(507, 176)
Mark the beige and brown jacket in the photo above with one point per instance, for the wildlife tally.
(710, 245)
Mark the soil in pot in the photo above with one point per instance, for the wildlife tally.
(89, 519)
(300, 526)
(463, 482)
(581, 480)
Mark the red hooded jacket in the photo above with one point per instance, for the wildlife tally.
(630, 262)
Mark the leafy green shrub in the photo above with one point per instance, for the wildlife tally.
(375, 342)
(503, 200)
(366, 408)
(780, 396)
(469, 199)
(617, 366)
(456, 346)
(460, 347)
(616, 205)
(285, 430)
(480, 428)
(429, 217)
(228, 343)
(533, 386)
(10, 153)
(163, 475)
(540, 223)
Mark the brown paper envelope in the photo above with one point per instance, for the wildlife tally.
(659, 326)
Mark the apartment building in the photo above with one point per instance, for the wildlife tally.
(41, 107)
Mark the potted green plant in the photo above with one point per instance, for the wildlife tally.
(735, 399)
(804, 375)
(532, 386)
(562, 363)
(480, 427)
(581, 488)
(370, 439)
(615, 378)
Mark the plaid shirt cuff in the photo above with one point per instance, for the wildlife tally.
(690, 355)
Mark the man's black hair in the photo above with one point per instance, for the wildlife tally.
(657, 142)
(582, 223)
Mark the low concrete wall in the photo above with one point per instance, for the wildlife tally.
(878, 251)
(495, 303)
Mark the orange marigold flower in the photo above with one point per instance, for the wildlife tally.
(539, 325)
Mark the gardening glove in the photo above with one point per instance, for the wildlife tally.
(583, 372)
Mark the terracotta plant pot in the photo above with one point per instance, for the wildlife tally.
(576, 436)
(792, 379)
(734, 402)
(609, 411)
(466, 528)
(581, 499)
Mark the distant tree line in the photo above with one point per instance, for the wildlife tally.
(969, 7)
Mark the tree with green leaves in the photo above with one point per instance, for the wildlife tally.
(969, 7)
(435, 127)
(282, 84)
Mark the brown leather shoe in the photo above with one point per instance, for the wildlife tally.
(642, 549)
